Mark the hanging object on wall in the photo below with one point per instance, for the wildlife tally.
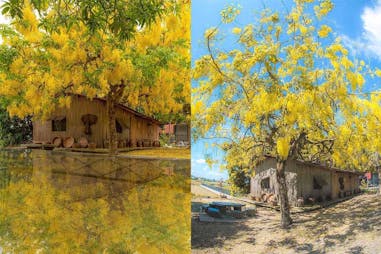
(89, 120)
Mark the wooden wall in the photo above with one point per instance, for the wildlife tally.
(306, 175)
(351, 184)
(134, 127)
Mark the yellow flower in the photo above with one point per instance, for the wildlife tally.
(324, 31)
(236, 30)
(283, 147)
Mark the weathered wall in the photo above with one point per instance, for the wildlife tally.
(306, 175)
(268, 169)
(134, 127)
(300, 181)
(143, 129)
(351, 184)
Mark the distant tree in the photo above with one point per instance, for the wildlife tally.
(14, 130)
(239, 180)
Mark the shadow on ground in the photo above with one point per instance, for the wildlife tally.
(346, 226)
(345, 222)
(202, 237)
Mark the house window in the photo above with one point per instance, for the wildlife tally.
(316, 183)
(118, 127)
(319, 182)
(265, 183)
(59, 124)
(341, 182)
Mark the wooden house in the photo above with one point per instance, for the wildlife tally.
(88, 118)
(306, 182)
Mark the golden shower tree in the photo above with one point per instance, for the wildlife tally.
(145, 68)
(287, 90)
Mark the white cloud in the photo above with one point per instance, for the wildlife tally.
(210, 173)
(370, 41)
(371, 18)
(200, 161)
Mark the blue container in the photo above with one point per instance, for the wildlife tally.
(214, 212)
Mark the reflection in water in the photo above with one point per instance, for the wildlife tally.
(72, 203)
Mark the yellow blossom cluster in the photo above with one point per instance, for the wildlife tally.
(50, 65)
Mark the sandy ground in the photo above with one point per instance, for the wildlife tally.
(353, 226)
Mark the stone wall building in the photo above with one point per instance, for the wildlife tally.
(305, 181)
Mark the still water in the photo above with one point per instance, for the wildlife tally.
(53, 202)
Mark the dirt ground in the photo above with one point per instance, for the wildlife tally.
(353, 226)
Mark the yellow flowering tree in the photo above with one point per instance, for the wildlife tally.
(358, 143)
(148, 71)
(122, 18)
(286, 91)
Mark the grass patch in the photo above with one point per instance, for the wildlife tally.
(179, 153)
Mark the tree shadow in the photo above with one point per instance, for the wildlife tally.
(353, 217)
(215, 235)
(325, 229)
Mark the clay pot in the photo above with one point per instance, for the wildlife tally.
(311, 200)
(76, 145)
(83, 142)
(57, 141)
(300, 202)
(68, 142)
(269, 198)
(92, 145)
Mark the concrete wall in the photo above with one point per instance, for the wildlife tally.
(268, 169)
(300, 181)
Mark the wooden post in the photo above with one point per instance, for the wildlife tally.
(379, 181)
(111, 125)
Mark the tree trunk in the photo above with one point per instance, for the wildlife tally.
(283, 198)
(111, 124)
(379, 181)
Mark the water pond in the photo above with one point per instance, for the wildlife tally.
(56, 202)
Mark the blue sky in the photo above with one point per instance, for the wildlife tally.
(357, 22)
